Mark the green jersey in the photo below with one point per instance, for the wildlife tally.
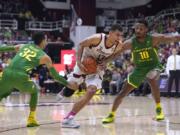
(27, 58)
(144, 54)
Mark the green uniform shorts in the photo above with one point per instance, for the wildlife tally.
(13, 78)
(139, 74)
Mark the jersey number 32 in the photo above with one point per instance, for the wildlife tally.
(28, 54)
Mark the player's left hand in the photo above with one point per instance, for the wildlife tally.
(72, 85)
(102, 66)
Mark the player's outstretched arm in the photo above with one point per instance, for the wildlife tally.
(11, 48)
(48, 62)
(126, 45)
(166, 39)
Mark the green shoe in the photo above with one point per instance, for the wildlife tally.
(109, 119)
(159, 114)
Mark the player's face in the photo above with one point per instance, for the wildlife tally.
(174, 52)
(44, 43)
(140, 30)
(116, 35)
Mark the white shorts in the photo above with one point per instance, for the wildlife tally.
(92, 79)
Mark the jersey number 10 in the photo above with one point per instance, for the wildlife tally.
(28, 54)
(144, 55)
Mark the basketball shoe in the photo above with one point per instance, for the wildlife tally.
(159, 114)
(109, 119)
(69, 123)
(32, 122)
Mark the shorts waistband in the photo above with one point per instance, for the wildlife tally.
(78, 76)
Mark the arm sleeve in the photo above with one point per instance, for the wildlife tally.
(7, 48)
(57, 77)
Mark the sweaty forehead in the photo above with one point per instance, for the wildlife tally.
(118, 32)
(140, 25)
(114, 31)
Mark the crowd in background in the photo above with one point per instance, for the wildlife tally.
(119, 69)
(116, 71)
(8, 35)
(16, 8)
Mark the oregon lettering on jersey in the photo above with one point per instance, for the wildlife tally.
(100, 52)
(144, 54)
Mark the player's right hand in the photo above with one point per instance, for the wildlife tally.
(72, 85)
(102, 65)
(82, 67)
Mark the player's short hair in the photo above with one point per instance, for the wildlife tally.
(142, 21)
(38, 38)
(115, 27)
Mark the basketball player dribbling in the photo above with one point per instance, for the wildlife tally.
(100, 47)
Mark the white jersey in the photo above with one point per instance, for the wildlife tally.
(100, 51)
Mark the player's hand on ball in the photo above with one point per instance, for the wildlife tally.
(101, 66)
(72, 85)
(90, 65)
(82, 67)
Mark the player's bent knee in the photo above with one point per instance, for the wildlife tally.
(153, 75)
(91, 89)
(67, 92)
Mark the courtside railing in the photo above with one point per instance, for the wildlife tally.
(12, 24)
(47, 26)
(129, 22)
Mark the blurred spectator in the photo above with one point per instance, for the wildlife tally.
(42, 76)
(173, 71)
(59, 39)
(106, 81)
(114, 82)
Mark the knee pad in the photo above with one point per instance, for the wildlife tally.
(67, 92)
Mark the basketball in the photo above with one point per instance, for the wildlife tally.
(90, 64)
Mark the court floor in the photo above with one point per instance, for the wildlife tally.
(134, 117)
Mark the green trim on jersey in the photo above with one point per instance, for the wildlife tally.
(131, 83)
(156, 52)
